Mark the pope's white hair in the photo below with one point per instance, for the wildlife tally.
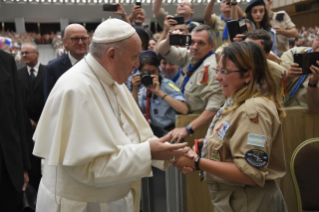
(98, 49)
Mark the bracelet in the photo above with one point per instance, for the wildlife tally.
(197, 162)
(312, 85)
(189, 129)
(233, 4)
(163, 97)
(188, 132)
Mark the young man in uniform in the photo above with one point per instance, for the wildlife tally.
(200, 88)
(184, 9)
(296, 82)
(285, 28)
(218, 23)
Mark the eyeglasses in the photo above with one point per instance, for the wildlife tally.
(224, 73)
(76, 39)
(26, 53)
(184, 4)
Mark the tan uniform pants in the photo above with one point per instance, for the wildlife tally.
(245, 198)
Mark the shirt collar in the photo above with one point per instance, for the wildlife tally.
(36, 68)
(100, 72)
(72, 59)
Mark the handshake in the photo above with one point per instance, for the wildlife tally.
(181, 156)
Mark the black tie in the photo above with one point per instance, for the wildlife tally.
(32, 76)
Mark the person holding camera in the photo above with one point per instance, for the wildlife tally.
(298, 83)
(199, 86)
(160, 100)
(243, 152)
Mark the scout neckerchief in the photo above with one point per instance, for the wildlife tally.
(300, 81)
(228, 103)
(176, 76)
(187, 22)
(225, 33)
(192, 69)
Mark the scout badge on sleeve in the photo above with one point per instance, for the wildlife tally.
(256, 140)
(223, 129)
(256, 158)
(205, 79)
(171, 85)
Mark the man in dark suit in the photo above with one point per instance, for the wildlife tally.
(31, 84)
(14, 160)
(75, 41)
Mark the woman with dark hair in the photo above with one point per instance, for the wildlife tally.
(242, 154)
(159, 99)
(256, 11)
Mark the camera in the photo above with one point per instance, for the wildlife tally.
(305, 60)
(110, 7)
(146, 78)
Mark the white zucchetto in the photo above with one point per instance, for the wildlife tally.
(112, 30)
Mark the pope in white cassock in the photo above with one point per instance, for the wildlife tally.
(95, 141)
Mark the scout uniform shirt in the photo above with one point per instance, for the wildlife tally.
(251, 137)
(299, 98)
(161, 113)
(281, 19)
(199, 96)
(218, 26)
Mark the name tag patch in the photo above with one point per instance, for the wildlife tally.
(215, 155)
(256, 140)
(256, 158)
(223, 129)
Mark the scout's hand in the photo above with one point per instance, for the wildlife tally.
(185, 163)
(168, 23)
(178, 134)
(136, 10)
(293, 72)
(314, 77)
(120, 9)
(239, 37)
(136, 79)
(161, 150)
(155, 88)
(279, 31)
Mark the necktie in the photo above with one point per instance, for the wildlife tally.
(32, 76)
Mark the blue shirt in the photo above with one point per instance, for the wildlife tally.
(274, 42)
(161, 113)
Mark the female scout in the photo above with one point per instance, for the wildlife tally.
(243, 154)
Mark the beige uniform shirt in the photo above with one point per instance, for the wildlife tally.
(286, 23)
(235, 134)
(299, 99)
(94, 140)
(218, 26)
(199, 97)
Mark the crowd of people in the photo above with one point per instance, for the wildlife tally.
(103, 111)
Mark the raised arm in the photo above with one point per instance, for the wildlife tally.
(208, 13)
(157, 7)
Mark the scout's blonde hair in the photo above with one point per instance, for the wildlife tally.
(249, 56)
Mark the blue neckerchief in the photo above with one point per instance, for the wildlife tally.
(135, 71)
(192, 69)
(225, 33)
(176, 76)
(190, 20)
(300, 81)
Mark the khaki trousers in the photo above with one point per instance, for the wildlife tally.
(245, 198)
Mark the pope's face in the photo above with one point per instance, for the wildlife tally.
(127, 60)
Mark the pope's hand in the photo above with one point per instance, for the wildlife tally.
(162, 150)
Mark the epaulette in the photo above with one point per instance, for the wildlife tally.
(251, 110)
(280, 15)
(171, 85)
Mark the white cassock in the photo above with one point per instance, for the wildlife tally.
(95, 144)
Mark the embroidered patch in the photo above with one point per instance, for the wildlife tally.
(223, 130)
(215, 155)
(256, 140)
(217, 34)
(144, 96)
(256, 158)
(256, 119)
(155, 111)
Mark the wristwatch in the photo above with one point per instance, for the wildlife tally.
(197, 162)
(312, 85)
(233, 4)
(189, 129)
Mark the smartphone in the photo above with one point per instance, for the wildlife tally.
(138, 3)
(178, 19)
(236, 27)
(110, 7)
(180, 40)
(305, 60)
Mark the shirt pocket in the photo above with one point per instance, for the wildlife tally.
(215, 144)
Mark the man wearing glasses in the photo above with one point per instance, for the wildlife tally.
(75, 41)
(184, 9)
(302, 89)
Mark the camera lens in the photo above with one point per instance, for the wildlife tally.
(146, 78)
